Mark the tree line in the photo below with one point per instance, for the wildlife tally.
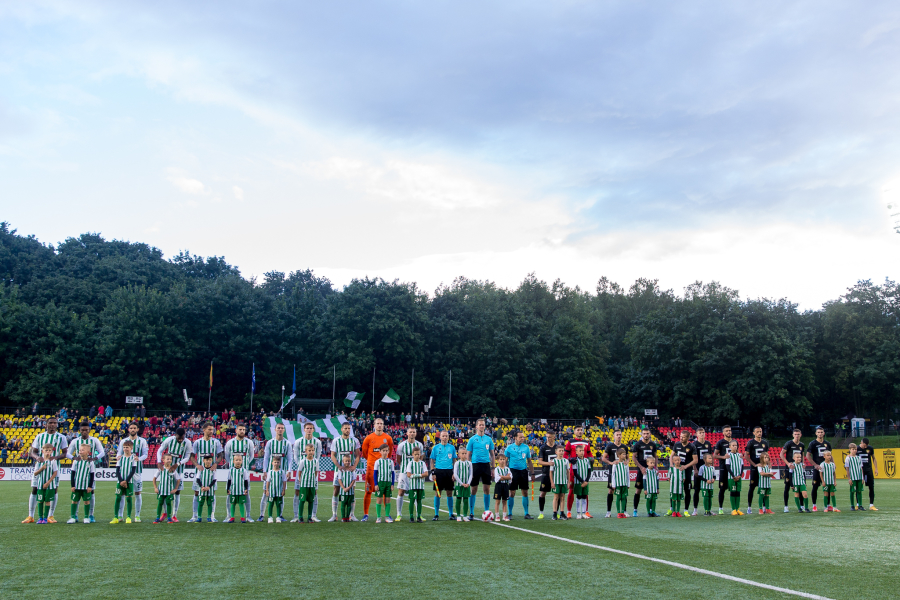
(92, 320)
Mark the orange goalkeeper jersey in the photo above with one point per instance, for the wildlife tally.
(370, 448)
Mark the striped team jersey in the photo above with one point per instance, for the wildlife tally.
(676, 480)
(560, 471)
(276, 481)
(405, 450)
(706, 474)
(57, 439)
(417, 471)
(48, 475)
(238, 481)
(583, 469)
(385, 469)
(125, 465)
(765, 483)
(854, 467)
(501, 472)
(280, 449)
(166, 482)
(828, 473)
(344, 446)
(306, 473)
(180, 451)
(651, 481)
(735, 465)
(244, 448)
(347, 478)
(139, 451)
(81, 471)
(92, 442)
(210, 448)
(798, 475)
(300, 449)
(207, 478)
(620, 475)
(462, 472)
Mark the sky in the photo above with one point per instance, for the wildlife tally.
(752, 144)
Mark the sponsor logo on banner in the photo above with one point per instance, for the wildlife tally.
(890, 465)
(2, 474)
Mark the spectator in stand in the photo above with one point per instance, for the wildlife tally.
(100, 411)
(93, 412)
(34, 408)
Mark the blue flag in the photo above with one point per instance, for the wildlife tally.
(294, 389)
(253, 383)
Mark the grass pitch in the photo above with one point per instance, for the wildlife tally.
(847, 555)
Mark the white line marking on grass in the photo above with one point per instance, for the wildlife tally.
(672, 564)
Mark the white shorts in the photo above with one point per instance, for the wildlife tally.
(180, 486)
(403, 482)
(138, 484)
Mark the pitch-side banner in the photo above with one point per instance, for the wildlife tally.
(25, 473)
(885, 459)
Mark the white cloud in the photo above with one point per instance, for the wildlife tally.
(186, 184)
(238, 193)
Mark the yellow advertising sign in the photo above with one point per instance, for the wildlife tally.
(886, 461)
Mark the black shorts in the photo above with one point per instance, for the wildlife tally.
(754, 476)
(481, 473)
(546, 483)
(639, 480)
(817, 477)
(501, 491)
(688, 481)
(723, 476)
(609, 484)
(443, 480)
(868, 477)
(519, 480)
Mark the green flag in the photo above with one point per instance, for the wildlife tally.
(391, 396)
(353, 399)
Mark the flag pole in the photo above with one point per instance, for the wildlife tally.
(209, 398)
(412, 390)
(252, 385)
(450, 396)
(333, 385)
(373, 389)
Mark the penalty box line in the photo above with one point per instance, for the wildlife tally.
(669, 563)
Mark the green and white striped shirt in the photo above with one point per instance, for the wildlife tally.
(280, 449)
(139, 450)
(180, 451)
(620, 475)
(854, 467)
(125, 465)
(347, 478)
(275, 480)
(415, 471)
(828, 473)
(560, 468)
(707, 473)
(82, 470)
(240, 447)
(57, 439)
(735, 465)
(651, 481)
(583, 469)
(798, 475)
(501, 472)
(405, 450)
(385, 468)
(344, 446)
(206, 478)
(166, 482)
(48, 474)
(765, 483)
(300, 449)
(238, 481)
(676, 480)
(74, 450)
(306, 473)
(462, 472)
(210, 448)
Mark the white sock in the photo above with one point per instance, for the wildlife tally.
(175, 506)
(93, 499)
(53, 503)
(248, 502)
(296, 507)
(213, 515)
(399, 506)
(315, 505)
(32, 503)
(262, 504)
(334, 506)
(353, 508)
(137, 505)
(196, 505)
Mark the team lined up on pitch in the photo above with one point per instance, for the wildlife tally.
(565, 474)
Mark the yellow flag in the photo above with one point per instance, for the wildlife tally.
(210, 375)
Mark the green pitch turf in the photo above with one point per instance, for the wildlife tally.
(847, 555)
